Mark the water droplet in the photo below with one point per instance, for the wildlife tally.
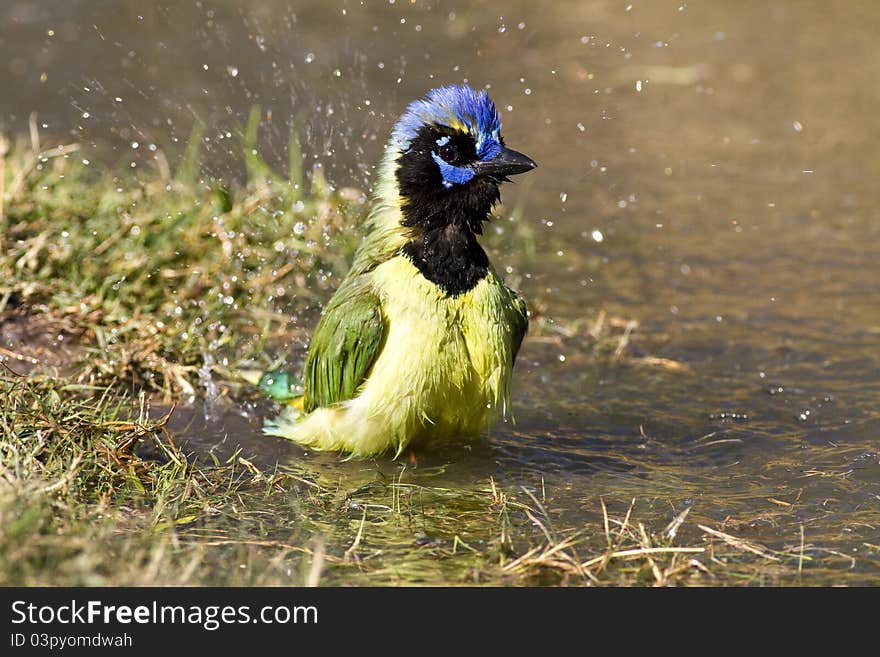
(597, 235)
(774, 388)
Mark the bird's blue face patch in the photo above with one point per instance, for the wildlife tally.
(486, 148)
(452, 175)
(489, 147)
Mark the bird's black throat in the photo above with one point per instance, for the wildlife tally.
(444, 220)
(449, 257)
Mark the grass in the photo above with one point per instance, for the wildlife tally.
(120, 292)
(147, 282)
(153, 272)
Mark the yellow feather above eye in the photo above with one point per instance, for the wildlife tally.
(457, 124)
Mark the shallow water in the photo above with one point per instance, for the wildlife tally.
(707, 169)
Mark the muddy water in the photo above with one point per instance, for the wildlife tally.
(708, 169)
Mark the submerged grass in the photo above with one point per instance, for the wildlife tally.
(117, 291)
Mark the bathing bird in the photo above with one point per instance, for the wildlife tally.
(419, 340)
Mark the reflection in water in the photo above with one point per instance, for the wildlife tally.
(704, 169)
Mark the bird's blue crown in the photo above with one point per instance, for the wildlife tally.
(458, 107)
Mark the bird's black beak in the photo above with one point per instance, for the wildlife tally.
(507, 163)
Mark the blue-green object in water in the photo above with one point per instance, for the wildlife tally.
(280, 386)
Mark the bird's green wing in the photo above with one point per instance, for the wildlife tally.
(349, 336)
(520, 322)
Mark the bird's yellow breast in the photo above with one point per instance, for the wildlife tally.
(446, 363)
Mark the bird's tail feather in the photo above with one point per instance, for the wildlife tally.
(283, 424)
(343, 427)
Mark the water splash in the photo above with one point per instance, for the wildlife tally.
(212, 394)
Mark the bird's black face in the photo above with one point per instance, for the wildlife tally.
(444, 181)
(448, 185)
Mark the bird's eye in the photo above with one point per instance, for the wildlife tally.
(448, 152)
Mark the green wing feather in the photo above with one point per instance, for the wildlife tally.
(347, 340)
(520, 322)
